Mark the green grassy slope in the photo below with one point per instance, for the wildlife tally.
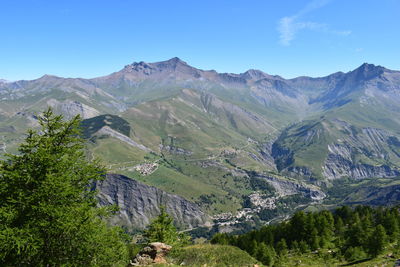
(370, 133)
(213, 255)
(196, 141)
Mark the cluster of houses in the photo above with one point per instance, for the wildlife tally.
(146, 168)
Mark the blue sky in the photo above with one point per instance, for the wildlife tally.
(89, 38)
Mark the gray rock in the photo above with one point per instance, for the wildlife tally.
(154, 253)
(288, 187)
(140, 203)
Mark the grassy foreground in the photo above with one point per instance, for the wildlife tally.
(225, 255)
(210, 255)
(323, 259)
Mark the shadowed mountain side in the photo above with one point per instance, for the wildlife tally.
(375, 195)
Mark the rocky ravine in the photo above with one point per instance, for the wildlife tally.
(287, 188)
(140, 203)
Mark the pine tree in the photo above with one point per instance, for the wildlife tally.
(265, 254)
(339, 226)
(281, 247)
(162, 229)
(48, 214)
(220, 238)
(299, 226)
(354, 254)
(391, 225)
(377, 241)
(266, 235)
(253, 248)
(356, 235)
(315, 240)
(303, 246)
(325, 227)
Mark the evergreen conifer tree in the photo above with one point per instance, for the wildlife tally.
(265, 254)
(48, 214)
(281, 247)
(162, 229)
(377, 241)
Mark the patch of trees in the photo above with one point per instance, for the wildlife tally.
(352, 234)
(48, 212)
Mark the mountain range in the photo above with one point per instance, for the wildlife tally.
(251, 143)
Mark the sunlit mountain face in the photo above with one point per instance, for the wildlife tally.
(215, 139)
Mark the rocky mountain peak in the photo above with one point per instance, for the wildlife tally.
(176, 60)
(47, 78)
(253, 74)
(172, 63)
(367, 71)
(366, 66)
(141, 67)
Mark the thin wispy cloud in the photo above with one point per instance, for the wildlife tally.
(289, 26)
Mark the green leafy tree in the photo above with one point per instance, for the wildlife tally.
(253, 248)
(354, 254)
(391, 225)
(325, 225)
(356, 235)
(339, 226)
(377, 241)
(265, 254)
(295, 247)
(303, 246)
(48, 214)
(162, 229)
(282, 248)
(315, 240)
(220, 238)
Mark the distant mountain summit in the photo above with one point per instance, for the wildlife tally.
(253, 74)
(368, 71)
(173, 64)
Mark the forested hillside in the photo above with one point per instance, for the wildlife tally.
(344, 234)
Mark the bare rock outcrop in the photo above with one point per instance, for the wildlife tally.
(289, 187)
(139, 203)
(154, 253)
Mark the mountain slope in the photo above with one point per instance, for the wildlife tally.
(333, 149)
(212, 138)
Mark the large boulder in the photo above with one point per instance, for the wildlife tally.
(153, 253)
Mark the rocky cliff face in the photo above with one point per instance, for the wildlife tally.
(333, 149)
(71, 108)
(372, 144)
(287, 188)
(337, 167)
(140, 203)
